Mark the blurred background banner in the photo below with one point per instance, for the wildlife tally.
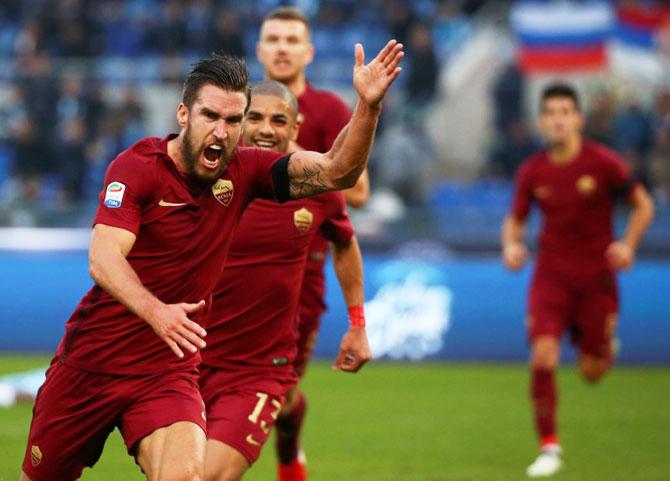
(81, 80)
(422, 304)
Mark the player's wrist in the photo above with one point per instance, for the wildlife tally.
(356, 316)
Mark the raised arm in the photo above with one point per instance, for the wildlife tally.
(110, 269)
(621, 254)
(354, 348)
(311, 173)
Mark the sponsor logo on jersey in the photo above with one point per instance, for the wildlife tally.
(114, 195)
(223, 190)
(586, 184)
(303, 218)
(250, 439)
(35, 455)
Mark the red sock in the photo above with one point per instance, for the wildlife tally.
(543, 395)
(288, 428)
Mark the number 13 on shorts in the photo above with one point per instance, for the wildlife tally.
(258, 409)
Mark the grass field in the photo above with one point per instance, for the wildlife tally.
(435, 422)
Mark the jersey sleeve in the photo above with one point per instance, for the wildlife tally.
(337, 226)
(130, 184)
(523, 193)
(619, 178)
(269, 174)
(337, 117)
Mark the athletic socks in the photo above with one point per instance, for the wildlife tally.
(288, 428)
(544, 398)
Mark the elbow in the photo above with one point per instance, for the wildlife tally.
(94, 267)
(356, 200)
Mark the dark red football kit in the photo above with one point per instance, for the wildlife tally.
(573, 287)
(252, 331)
(111, 369)
(324, 117)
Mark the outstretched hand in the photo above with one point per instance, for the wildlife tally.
(373, 80)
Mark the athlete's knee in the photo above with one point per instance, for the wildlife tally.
(592, 369)
(545, 353)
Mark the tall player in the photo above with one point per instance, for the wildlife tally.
(285, 50)
(130, 352)
(575, 182)
(252, 330)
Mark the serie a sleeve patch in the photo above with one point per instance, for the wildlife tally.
(114, 195)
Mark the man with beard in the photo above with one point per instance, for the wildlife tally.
(252, 328)
(130, 352)
(285, 50)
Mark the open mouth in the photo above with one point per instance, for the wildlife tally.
(212, 156)
(265, 143)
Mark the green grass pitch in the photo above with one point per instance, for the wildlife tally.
(439, 422)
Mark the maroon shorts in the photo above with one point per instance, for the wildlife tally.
(308, 331)
(586, 306)
(76, 410)
(242, 406)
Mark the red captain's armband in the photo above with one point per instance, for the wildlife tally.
(356, 316)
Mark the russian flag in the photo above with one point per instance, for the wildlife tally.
(639, 23)
(562, 36)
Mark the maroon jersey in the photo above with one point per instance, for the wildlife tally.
(324, 116)
(577, 201)
(183, 235)
(253, 318)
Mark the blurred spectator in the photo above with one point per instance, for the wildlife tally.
(634, 140)
(197, 24)
(168, 33)
(600, 119)
(400, 19)
(226, 35)
(513, 148)
(450, 29)
(123, 36)
(402, 158)
(508, 98)
(423, 68)
(660, 161)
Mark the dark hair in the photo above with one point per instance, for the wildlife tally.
(288, 13)
(560, 90)
(222, 70)
(276, 89)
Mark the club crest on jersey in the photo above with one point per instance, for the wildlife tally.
(302, 219)
(542, 192)
(223, 190)
(586, 184)
(35, 455)
(114, 195)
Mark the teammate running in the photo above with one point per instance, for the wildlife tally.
(285, 50)
(252, 330)
(575, 182)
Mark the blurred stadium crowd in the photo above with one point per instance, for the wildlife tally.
(74, 75)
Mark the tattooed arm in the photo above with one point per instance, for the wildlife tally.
(311, 173)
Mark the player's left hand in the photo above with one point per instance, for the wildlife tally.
(620, 256)
(373, 80)
(354, 351)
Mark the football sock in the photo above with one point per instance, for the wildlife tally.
(543, 395)
(288, 427)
